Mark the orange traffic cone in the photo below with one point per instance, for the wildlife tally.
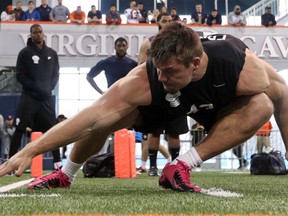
(124, 153)
(37, 162)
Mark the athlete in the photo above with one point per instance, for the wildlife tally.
(219, 82)
(115, 67)
(174, 128)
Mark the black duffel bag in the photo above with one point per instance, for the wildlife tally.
(99, 166)
(268, 164)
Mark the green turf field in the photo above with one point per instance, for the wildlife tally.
(257, 194)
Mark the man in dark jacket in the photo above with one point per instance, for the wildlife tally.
(268, 19)
(44, 11)
(38, 72)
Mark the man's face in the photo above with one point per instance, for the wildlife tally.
(78, 9)
(140, 7)
(44, 2)
(9, 121)
(237, 10)
(173, 12)
(164, 21)
(163, 9)
(214, 13)
(132, 4)
(199, 8)
(37, 35)
(31, 6)
(93, 9)
(18, 5)
(121, 48)
(113, 9)
(174, 75)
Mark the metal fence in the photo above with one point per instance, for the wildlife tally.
(225, 161)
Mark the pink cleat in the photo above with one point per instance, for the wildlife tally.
(177, 177)
(56, 179)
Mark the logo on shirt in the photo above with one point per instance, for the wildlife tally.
(173, 99)
(35, 59)
(194, 108)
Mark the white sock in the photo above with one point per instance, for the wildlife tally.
(70, 169)
(191, 158)
(169, 159)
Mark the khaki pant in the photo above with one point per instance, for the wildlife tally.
(263, 141)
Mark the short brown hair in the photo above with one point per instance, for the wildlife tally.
(177, 40)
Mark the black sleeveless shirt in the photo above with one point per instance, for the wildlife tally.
(202, 99)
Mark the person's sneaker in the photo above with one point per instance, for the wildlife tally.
(153, 171)
(141, 169)
(53, 180)
(177, 177)
(243, 167)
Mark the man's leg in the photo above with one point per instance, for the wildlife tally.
(236, 123)
(153, 146)
(43, 121)
(174, 145)
(259, 144)
(15, 142)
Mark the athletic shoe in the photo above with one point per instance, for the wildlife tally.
(53, 180)
(243, 167)
(141, 169)
(153, 171)
(177, 177)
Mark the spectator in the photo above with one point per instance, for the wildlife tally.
(113, 17)
(44, 11)
(9, 130)
(8, 14)
(174, 15)
(238, 152)
(163, 9)
(18, 11)
(185, 20)
(143, 12)
(198, 16)
(154, 16)
(263, 136)
(236, 18)
(31, 14)
(37, 70)
(94, 16)
(112, 64)
(78, 16)
(214, 18)
(133, 14)
(60, 13)
(268, 19)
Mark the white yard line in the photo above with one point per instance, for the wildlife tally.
(220, 193)
(9, 187)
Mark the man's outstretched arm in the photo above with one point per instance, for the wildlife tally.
(116, 109)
